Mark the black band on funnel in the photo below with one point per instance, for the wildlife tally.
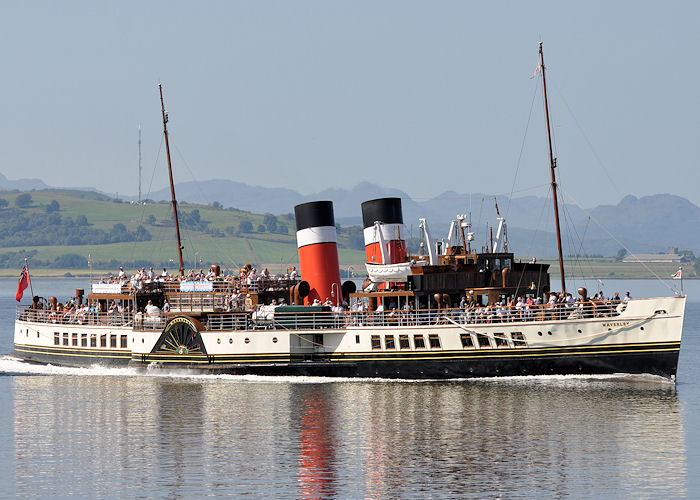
(314, 214)
(386, 210)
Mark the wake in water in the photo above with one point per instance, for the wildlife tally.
(11, 366)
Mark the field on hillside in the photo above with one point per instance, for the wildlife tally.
(209, 234)
(609, 268)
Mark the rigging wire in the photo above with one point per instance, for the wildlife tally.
(217, 246)
(601, 226)
(522, 148)
(590, 146)
(143, 208)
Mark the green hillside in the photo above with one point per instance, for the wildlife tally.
(62, 229)
(74, 231)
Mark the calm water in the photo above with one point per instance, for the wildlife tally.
(108, 433)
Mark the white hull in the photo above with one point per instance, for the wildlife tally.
(645, 327)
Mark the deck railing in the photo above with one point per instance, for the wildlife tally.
(232, 321)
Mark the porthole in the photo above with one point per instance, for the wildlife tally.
(218, 341)
(142, 340)
(641, 328)
(579, 331)
(37, 334)
(539, 333)
(230, 341)
(274, 339)
(549, 333)
(247, 340)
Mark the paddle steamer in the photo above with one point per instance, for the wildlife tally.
(454, 312)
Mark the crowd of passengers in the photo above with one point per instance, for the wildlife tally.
(90, 312)
(246, 278)
(554, 306)
(557, 306)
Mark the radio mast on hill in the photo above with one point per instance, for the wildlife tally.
(139, 163)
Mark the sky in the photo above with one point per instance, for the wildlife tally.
(421, 96)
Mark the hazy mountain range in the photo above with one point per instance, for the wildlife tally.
(644, 225)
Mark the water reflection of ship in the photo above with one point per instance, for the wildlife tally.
(498, 439)
(590, 437)
(316, 444)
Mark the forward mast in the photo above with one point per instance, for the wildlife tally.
(553, 165)
(172, 185)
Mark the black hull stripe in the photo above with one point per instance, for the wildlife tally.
(87, 353)
(523, 352)
(453, 364)
(662, 364)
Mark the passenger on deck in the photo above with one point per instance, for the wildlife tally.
(627, 298)
(519, 308)
(138, 317)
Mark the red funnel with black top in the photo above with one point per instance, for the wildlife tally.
(382, 220)
(318, 251)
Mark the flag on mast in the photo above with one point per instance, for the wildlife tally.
(679, 274)
(22, 283)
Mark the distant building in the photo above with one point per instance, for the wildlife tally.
(671, 257)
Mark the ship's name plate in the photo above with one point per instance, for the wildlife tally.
(106, 288)
(196, 286)
(616, 323)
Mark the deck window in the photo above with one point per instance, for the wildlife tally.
(434, 341)
(56, 338)
(83, 339)
(93, 340)
(123, 341)
(389, 342)
(75, 339)
(484, 340)
(103, 340)
(403, 342)
(112, 341)
(518, 339)
(419, 341)
(467, 341)
(65, 338)
(376, 342)
(501, 340)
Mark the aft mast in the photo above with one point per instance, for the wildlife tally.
(553, 165)
(170, 174)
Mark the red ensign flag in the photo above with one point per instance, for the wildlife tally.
(22, 284)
